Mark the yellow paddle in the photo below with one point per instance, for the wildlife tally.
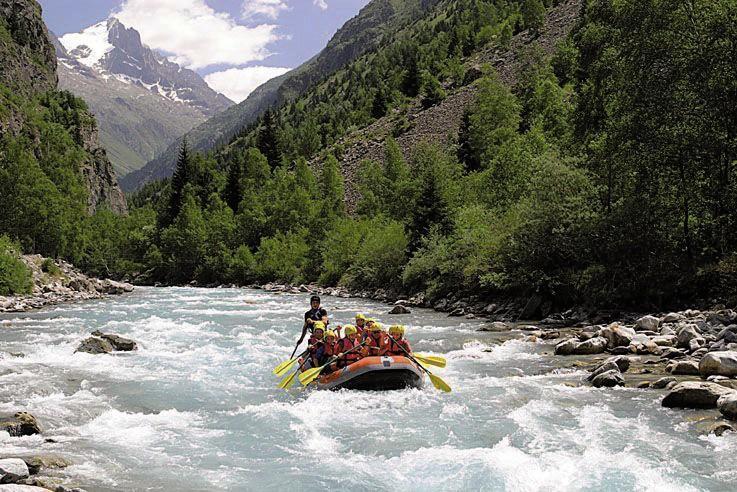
(431, 360)
(282, 368)
(436, 380)
(311, 374)
(288, 381)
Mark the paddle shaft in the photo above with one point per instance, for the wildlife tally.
(409, 356)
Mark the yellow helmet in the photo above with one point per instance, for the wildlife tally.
(396, 329)
(370, 320)
(319, 325)
(350, 330)
(360, 316)
(377, 327)
(329, 333)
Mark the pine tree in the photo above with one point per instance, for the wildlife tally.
(380, 104)
(234, 185)
(412, 77)
(268, 140)
(466, 155)
(181, 177)
(432, 90)
(430, 212)
(533, 15)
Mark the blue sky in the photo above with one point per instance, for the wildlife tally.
(235, 44)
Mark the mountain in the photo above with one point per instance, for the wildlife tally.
(143, 102)
(373, 25)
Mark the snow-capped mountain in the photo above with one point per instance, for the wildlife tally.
(142, 100)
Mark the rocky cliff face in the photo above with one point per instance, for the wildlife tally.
(28, 69)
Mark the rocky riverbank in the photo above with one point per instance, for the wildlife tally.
(56, 282)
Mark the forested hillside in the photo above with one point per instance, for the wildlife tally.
(594, 167)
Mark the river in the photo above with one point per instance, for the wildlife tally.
(196, 407)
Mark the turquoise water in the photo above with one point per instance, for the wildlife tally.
(196, 408)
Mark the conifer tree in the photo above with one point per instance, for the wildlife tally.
(430, 212)
(234, 185)
(181, 177)
(268, 139)
(533, 15)
(380, 104)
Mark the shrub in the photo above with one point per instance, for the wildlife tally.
(282, 258)
(50, 267)
(380, 258)
(15, 277)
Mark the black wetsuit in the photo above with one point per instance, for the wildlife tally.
(315, 315)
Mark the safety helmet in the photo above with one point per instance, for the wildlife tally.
(319, 325)
(329, 333)
(396, 329)
(370, 320)
(314, 298)
(350, 330)
(377, 327)
(360, 316)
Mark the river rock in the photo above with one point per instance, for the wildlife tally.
(663, 382)
(608, 379)
(95, 345)
(52, 461)
(684, 368)
(673, 317)
(686, 334)
(620, 363)
(595, 345)
(617, 335)
(12, 470)
(728, 334)
(647, 323)
(496, 326)
(727, 405)
(20, 424)
(718, 363)
(672, 353)
(695, 394)
(119, 343)
(664, 340)
(399, 309)
(720, 428)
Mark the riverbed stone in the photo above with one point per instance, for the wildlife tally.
(663, 382)
(12, 470)
(496, 326)
(672, 353)
(119, 343)
(673, 317)
(686, 334)
(684, 368)
(719, 363)
(664, 340)
(695, 394)
(617, 335)
(36, 463)
(572, 346)
(399, 309)
(727, 405)
(20, 424)
(95, 345)
(720, 428)
(608, 379)
(647, 323)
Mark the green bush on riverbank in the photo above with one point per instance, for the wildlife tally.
(15, 277)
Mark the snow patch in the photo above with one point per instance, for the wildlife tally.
(90, 45)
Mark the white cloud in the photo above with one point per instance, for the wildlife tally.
(238, 83)
(196, 35)
(323, 4)
(265, 8)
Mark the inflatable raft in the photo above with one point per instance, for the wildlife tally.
(375, 374)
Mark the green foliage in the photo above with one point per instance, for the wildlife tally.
(282, 257)
(15, 276)
(380, 258)
(432, 90)
(49, 266)
(533, 14)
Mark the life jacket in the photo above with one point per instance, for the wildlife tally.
(330, 349)
(393, 347)
(375, 346)
(346, 344)
(314, 345)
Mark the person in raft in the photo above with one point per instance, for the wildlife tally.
(396, 342)
(344, 345)
(376, 340)
(360, 324)
(329, 347)
(315, 346)
(314, 315)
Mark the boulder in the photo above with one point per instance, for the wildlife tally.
(20, 424)
(608, 379)
(119, 343)
(617, 335)
(673, 317)
(686, 334)
(52, 461)
(685, 368)
(664, 340)
(647, 323)
(696, 344)
(95, 345)
(718, 363)
(496, 326)
(672, 353)
(399, 309)
(727, 405)
(695, 394)
(595, 345)
(12, 470)
(728, 334)
(720, 428)
(663, 382)
(620, 363)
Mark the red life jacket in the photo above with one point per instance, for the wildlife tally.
(314, 345)
(346, 344)
(376, 346)
(393, 347)
(331, 349)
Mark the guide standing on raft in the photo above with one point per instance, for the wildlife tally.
(316, 313)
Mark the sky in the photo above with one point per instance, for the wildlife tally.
(235, 44)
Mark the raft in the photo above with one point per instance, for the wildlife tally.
(375, 374)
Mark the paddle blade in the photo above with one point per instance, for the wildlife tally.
(288, 381)
(439, 383)
(282, 368)
(431, 360)
(309, 375)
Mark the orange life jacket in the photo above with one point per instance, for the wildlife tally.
(331, 349)
(393, 348)
(376, 346)
(346, 344)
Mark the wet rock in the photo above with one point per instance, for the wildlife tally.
(95, 345)
(496, 326)
(620, 351)
(672, 353)
(663, 382)
(695, 394)
(617, 335)
(51, 461)
(572, 346)
(399, 309)
(643, 385)
(12, 470)
(683, 368)
(647, 323)
(718, 363)
(118, 343)
(20, 424)
(620, 363)
(720, 428)
(727, 406)
(728, 334)
(608, 379)
(696, 344)
(601, 369)
(664, 340)
(686, 334)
